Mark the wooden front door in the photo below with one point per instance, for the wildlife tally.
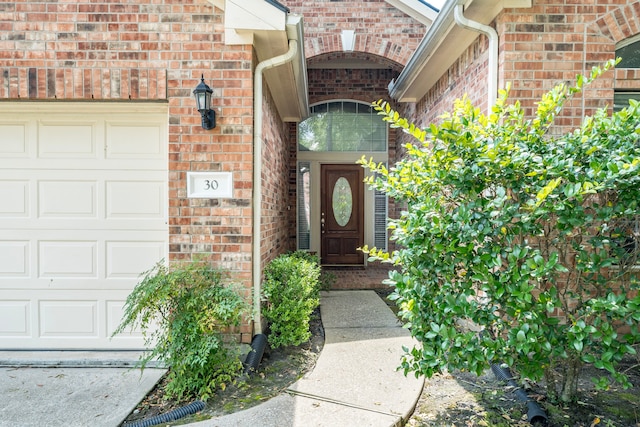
(342, 214)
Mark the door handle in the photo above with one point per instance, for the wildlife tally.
(322, 223)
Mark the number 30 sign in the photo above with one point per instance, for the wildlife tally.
(210, 185)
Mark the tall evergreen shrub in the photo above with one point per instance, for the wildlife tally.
(529, 236)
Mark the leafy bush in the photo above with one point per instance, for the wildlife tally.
(524, 235)
(291, 289)
(183, 312)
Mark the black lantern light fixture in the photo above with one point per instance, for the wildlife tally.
(202, 92)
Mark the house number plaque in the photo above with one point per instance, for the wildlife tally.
(209, 185)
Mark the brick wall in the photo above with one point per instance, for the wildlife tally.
(553, 41)
(539, 48)
(375, 22)
(377, 40)
(619, 23)
(357, 84)
(149, 51)
(278, 207)
(467, 76)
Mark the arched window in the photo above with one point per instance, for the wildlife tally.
(344, 126)
(629, 51)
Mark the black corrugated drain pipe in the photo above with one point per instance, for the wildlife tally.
(254, 357)
(173, 415)
(535, 414)
(251, 363)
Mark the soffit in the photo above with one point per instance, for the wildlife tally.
(420, 11)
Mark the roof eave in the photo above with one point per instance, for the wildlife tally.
(289, 81)
(442, 45)
(268, 26)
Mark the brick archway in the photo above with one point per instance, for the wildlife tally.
(377, 61)
(379, 28)
(366, 45)
(620, 23)
(617, 25)
(331, 77)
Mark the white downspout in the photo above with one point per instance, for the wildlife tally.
(257, 175)
(492, 88)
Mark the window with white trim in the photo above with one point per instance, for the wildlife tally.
(344, 126)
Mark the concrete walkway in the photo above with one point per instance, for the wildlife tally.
(354, 382)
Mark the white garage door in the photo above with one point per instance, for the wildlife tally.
(83, 207)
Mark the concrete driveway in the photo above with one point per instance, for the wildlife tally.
(44, 389)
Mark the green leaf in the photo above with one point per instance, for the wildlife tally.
(578, 345)
(572, 189)
(588, 358)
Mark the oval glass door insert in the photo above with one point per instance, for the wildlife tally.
(342, 201)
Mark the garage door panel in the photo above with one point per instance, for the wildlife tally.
(65, 320)
(20, 227)
(14, 258)
(83, 214)
(148, 141)
(71, 262)
(67, 199)
(15, 318)
(63, 165)
(130, 259)
(135, 199)
(67, 140)
(68, 318)
(67, 259)
(14, 140)
(115, 312)
(15, 198)
(14, 287)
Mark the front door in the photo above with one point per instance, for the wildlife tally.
(342, 214)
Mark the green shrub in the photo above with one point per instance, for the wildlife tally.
(291, 289)
(523, 233)
(183, 312)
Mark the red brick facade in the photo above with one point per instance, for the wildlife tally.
(540, 47)
(380, 29)
(146, 50)
(466, 76)
(278, 232)
(149, 51)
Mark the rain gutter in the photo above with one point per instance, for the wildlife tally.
(492, 35)
(445, 40)
(431, 41)
(295, 37)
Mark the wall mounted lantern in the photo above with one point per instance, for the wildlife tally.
(202, 93)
